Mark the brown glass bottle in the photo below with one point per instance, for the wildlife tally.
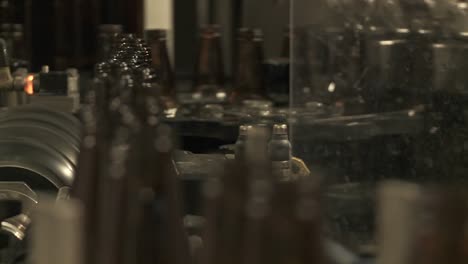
(157, 39)
(209, 69)
(17, 39)
(249, 70)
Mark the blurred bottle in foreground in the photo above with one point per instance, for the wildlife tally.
(421, 224)
(57, 232)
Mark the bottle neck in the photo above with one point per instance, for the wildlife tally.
(159, 52)
(210, 68)
(161, 63)
(249, 75)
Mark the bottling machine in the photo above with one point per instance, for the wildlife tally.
(328, 131)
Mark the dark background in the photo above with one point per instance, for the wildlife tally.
(62, 33)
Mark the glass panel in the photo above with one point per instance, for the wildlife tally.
(378, 91)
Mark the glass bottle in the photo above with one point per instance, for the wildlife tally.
(248, 82)
(279, 151)
(241, 142)
(157, 39)
(209, 69)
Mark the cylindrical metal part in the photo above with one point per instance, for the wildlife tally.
(280, 152)
(241, 142)
(256, 154)
(40, 145)
(16, 226)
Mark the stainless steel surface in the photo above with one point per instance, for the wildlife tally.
(41, 120)
(63, 194)
(18, 191)
(56, 139)
(16, 226)
(54, 119)
(68, 119)
(37, 159)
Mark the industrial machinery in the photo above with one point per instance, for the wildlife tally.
(339, 137)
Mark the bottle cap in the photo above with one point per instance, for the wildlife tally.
(280, 129)
(244, 129)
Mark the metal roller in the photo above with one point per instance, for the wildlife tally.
(40, 119)
(56, 139)
(35, 163)
(67, 118)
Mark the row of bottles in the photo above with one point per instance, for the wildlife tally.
(209, 77)
(253, 217)
(278, 149)
(249, 71)
(126, 180)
